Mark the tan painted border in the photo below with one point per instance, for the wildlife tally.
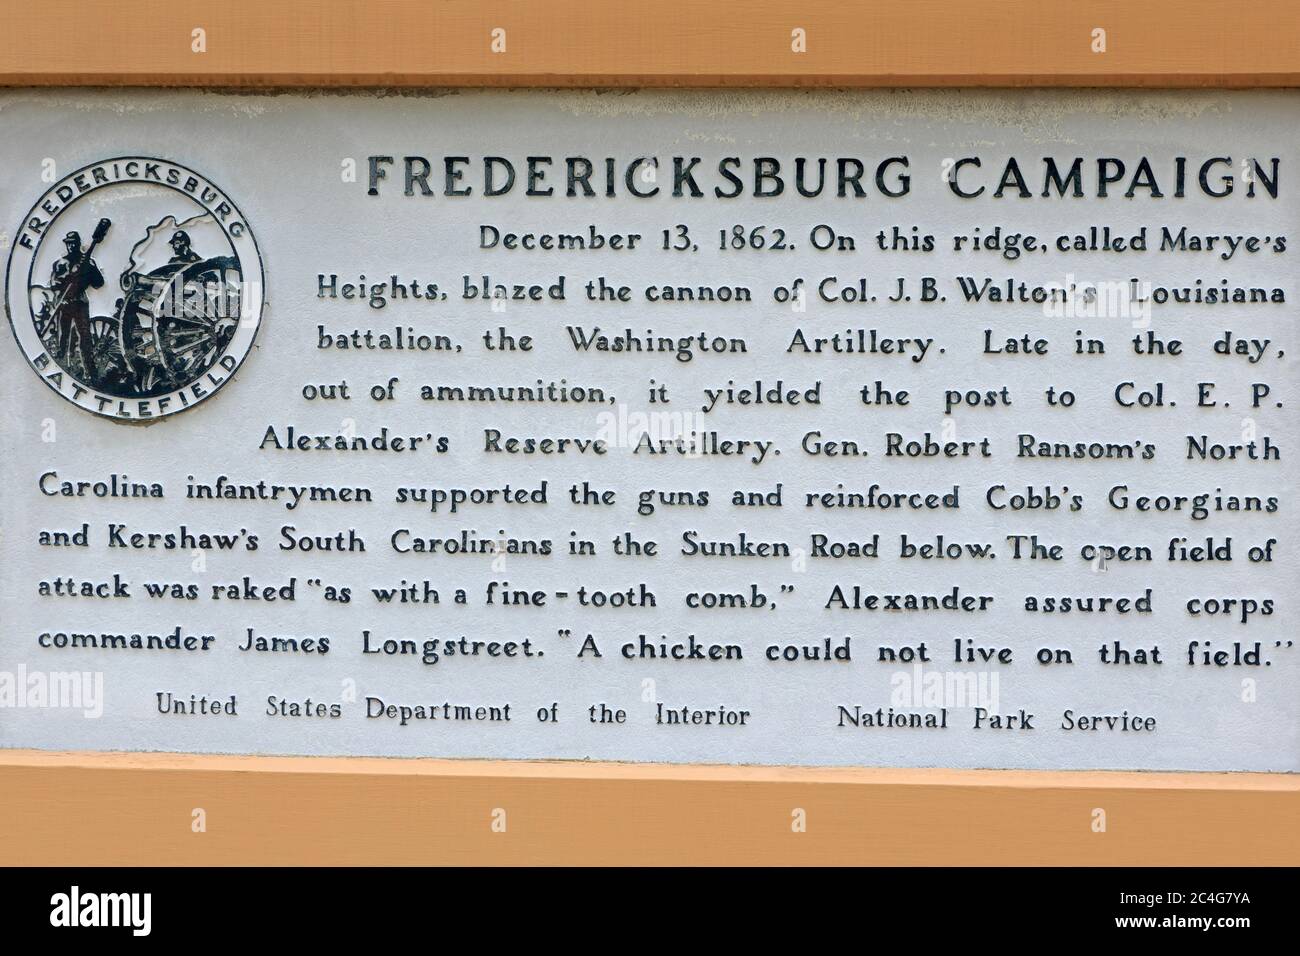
(136, 809)
(260, 43)
(131, 808)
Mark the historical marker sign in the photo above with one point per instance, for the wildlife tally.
(946, 429)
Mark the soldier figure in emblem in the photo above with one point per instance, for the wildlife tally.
(180, 243)
(70, 277)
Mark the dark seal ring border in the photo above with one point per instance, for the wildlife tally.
(13, 328)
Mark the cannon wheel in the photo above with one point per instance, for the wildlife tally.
(104, 340)
(135, 338)
(191, 336)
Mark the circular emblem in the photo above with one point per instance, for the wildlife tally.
(134, 288)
